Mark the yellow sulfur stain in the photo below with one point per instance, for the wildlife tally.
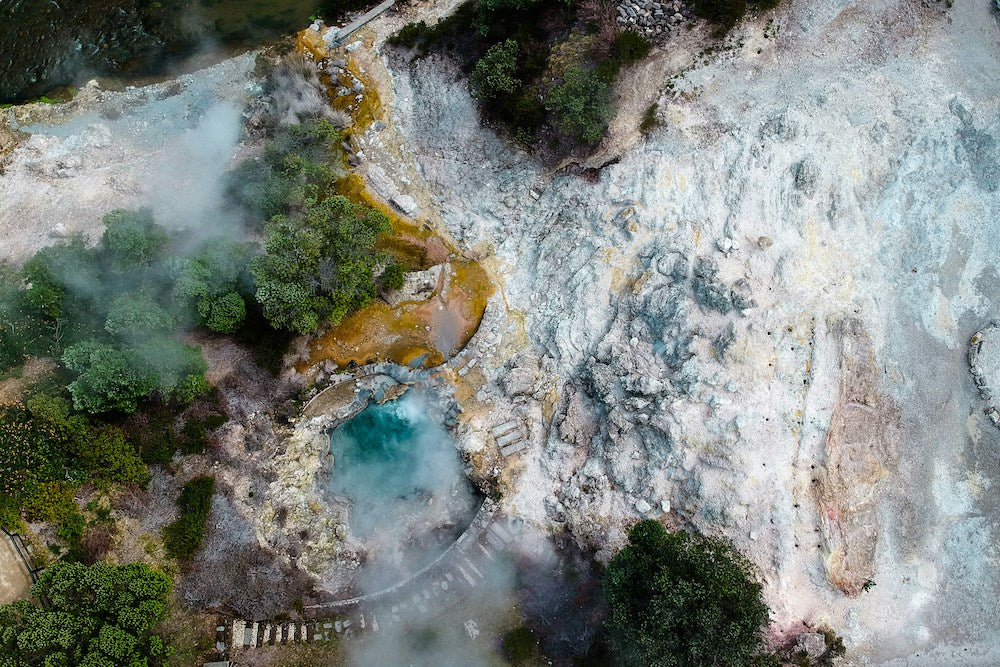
(422, 333)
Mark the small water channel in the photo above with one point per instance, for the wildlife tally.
(399, 470)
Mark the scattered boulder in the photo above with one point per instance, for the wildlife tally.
(406, 204)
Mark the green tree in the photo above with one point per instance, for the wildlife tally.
(208, 285)
(132, 239)
(295, 166)
(494, 72)
(23, 331)
(106, 379)
(682, 600)
(97, 615)
(320, 266)
(135, 316)
(582, 104)
(110, 378)
(393, 276)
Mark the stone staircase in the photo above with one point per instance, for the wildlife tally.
(510, 437)
(447, 581)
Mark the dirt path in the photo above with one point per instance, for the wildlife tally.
(15, 580)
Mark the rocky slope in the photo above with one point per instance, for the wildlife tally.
(755, 322)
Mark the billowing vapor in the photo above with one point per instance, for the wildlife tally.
(187, 192)
(409, 496)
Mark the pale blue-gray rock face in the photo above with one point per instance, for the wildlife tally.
(685, 308)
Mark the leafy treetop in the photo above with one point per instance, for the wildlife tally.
(682, 600)
(99, 616)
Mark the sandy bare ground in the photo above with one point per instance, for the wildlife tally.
(15, 580)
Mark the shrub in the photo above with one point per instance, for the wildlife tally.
(582, 104)
(97, 615)
(135, 316)
(727, 13)
(393, 276)
(682, 599)
(182, 537)
(210, 283)
(650, 119)
(631, 46)
(494, 72)
(298, 164)
(196, 432)
(520, 645)
(45, 450)
(132, 239)
(319, 267)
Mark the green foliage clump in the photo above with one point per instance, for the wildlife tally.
(45, 450)
(520, 645)
(582, 104)
(106, 313)
(136, 316)
(494, 72)
(182, 537)
(211, 283)
(22, 332)
(320, 266)
(650, 119)
(110, 378)
(682, 599)
(393, 276)
(99, 616)
(133, 240)
(630, 47)
(725, 14)
(297, 165)
(507, 45)
(318, 258)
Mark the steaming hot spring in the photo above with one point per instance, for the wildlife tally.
(370, 487)
(395, 466)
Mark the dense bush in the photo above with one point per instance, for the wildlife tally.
(319, 266)
(727, 13)
(211, 283)
(520, 645)
(650, 119)
(299, 163)
(45, 451)
(631, 46)
(582, 104)
(494, 72)
(319, 254)
(105, 311)
(682, 599)
(508, 47)
(393, 276)
(102, 615)
(182, 537)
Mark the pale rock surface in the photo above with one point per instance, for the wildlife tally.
(687, 313)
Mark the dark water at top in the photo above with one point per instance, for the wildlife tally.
(49, 43)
